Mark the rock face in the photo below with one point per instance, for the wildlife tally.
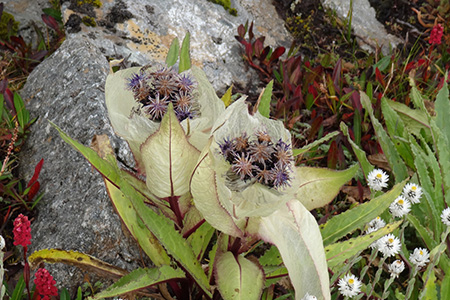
(369, 31)
(142, 31)
(75, 213)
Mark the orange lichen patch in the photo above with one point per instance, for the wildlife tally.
(145, 41)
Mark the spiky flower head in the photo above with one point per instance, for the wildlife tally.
(375, 224)
(389, 245)
(445, 216)
(400, 207)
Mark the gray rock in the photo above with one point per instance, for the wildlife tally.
(370, 33)
(143, 31)
(75, 212)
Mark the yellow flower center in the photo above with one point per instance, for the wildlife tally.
(379, 176)
(351, 281)
(421, 252)
(400, 201)
(413, 188)
(391, 240)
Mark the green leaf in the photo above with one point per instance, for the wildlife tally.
(139, 279)
(360, 154)
(359, 216)
(396, 163)
(23, 115)
(306, 148)
(79, 294)
(226, 98)
(200, 239)
(338, 253)
(169, 158)
(424, 232)
(311, 191)
(18, 290)
(266, 97)
(64, 294)
(172, 55)
(185, 58)
(430, 288)
(416, 97)
(445, 287)
(173, 242)
(238, 278)
(442, 108)
(271, 257)
(126, 212)
(77, 259)
(296, 234)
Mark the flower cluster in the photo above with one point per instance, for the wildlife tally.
(258, 159)
(436, 35)
(22, 231)
(154, 90)
(349, 286)
(377, 179)
(45, 284)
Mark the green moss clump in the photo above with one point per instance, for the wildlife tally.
(227, 5)
(95, 3)
(89, 21)
(5, 20)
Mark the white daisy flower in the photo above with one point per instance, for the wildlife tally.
(419, 257)
(375, 224)
(377, 179)
(349, 286)
(309, 297)
(400, 207)
(412, 192)
(445, 216)
(396, 268)
(389, 245)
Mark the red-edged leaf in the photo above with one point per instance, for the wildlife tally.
(9, 101)
(249, 51)
(250, 32)
(315, 126)
(34, 189)
(337, 71)
(259, 44)
(264, 53)
(379, 77)
(241, 31)
(277, 53)
(332, 156)
(50, 22)
(37, 171)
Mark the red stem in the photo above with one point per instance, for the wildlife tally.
(174, 206)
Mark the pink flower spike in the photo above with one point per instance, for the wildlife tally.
(22, 231)
(45, 285)
(436, 35)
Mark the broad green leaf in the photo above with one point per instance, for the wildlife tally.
(139, 279)
(319, 186)
(185, 58)
(168, 158)
(425, 233)
(271, 257)
(172, 55)
(76, 259)
(226, 98)
(173, 242)
(445, 287)
(416, 97)
(398, 166)
(442, 108)
(64, 294)
(200, 239)
(360, 154)
(357, 217)
(430, 288)
(306, 148)
(264, 102)
(443, 152)
(294, 231)
(415, 120)
(337, 253)
(23, 115)
(150, 246)
(396, 130)
(238, 278)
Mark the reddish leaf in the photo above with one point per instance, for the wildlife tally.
(380, 77)
(50, 22)
(332, 156)
(241, 31)
(258, 46)
(264, 53)
(250, 32)
(9, 101)
(277, 53)
(337, 72)
(241, 40)
(37, 171)
(34, 189)
(315, 126)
